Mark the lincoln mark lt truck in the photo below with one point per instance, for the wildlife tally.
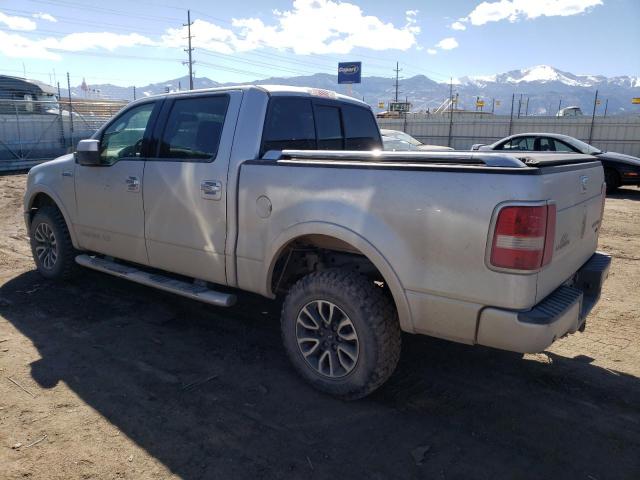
(284, 191)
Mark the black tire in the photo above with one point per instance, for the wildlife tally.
(612, 179)
(48, 220)
(371, 314)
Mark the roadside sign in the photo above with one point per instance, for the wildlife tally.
(480, 103)
(497, 103)
(380, 104)
(349, 72)
(635, 100)
(399, 106)
(598, 102)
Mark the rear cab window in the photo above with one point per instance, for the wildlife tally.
(361, 130)
(303, 123)
(289, 125)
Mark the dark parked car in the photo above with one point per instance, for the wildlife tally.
(619, 169)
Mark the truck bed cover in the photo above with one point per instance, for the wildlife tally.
(502, 162)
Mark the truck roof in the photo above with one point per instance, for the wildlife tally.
(271, 90)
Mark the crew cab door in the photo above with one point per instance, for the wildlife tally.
(110, 213)
(185, 185)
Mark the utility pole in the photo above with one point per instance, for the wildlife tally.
(593, 116)
(450, 111)
(64, 141)
(493, 105)
(513, 98)
(606, 106)
(134, 93)
(190, 49)
(397, 84)
(70, 107)
(519, 105)
(526, 110)
(560, 104)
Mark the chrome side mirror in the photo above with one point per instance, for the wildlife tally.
(88, 152)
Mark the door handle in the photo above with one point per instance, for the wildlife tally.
(211, 189)
(133, 184)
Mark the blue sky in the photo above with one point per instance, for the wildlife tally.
(137, 42)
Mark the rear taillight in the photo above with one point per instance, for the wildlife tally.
(523, 237)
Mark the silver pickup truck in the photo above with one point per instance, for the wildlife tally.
(283, 191)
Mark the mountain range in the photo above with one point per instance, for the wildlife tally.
(543, 89)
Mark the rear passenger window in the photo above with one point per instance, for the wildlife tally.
(289, 125)
(194, 128)
(546, 145)
(329, 128)
(562, 147)
(360, 129)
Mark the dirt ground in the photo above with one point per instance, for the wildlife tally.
(100, 378)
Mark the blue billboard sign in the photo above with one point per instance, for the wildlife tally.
(349, 72)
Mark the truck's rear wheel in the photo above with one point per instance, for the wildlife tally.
(341, 333)
(51, 245)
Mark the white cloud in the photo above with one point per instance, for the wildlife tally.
(458, 26)
(45, 16)
(17, 23)
(206, 35)
(515, 10)
(311, 26)
(17, 46)
(448, 43)
(431, 51)
(77, 42)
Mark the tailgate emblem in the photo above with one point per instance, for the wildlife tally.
(584, 181)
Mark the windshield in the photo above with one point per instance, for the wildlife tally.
(401, 136)
(583, 147)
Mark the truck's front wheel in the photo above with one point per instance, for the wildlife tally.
(341, 333)
(51, 244)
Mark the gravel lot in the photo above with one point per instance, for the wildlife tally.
(104, 379)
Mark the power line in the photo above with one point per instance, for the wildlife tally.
(165, 19)
(256, 62)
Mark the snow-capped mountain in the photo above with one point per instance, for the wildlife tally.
(545, 74)
(543, 87)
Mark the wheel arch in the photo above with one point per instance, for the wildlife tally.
(358, 244)
(40, 196)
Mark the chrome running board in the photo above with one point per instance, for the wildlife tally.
(156, 280)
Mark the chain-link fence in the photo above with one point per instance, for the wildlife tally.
(33, 130)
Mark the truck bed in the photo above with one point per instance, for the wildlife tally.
(432, 227)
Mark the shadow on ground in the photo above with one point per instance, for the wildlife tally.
(626, 193)
(210, 394)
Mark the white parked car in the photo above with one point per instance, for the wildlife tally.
(397, 141)
(570, 112)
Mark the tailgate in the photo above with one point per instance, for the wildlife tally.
(578, 194)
